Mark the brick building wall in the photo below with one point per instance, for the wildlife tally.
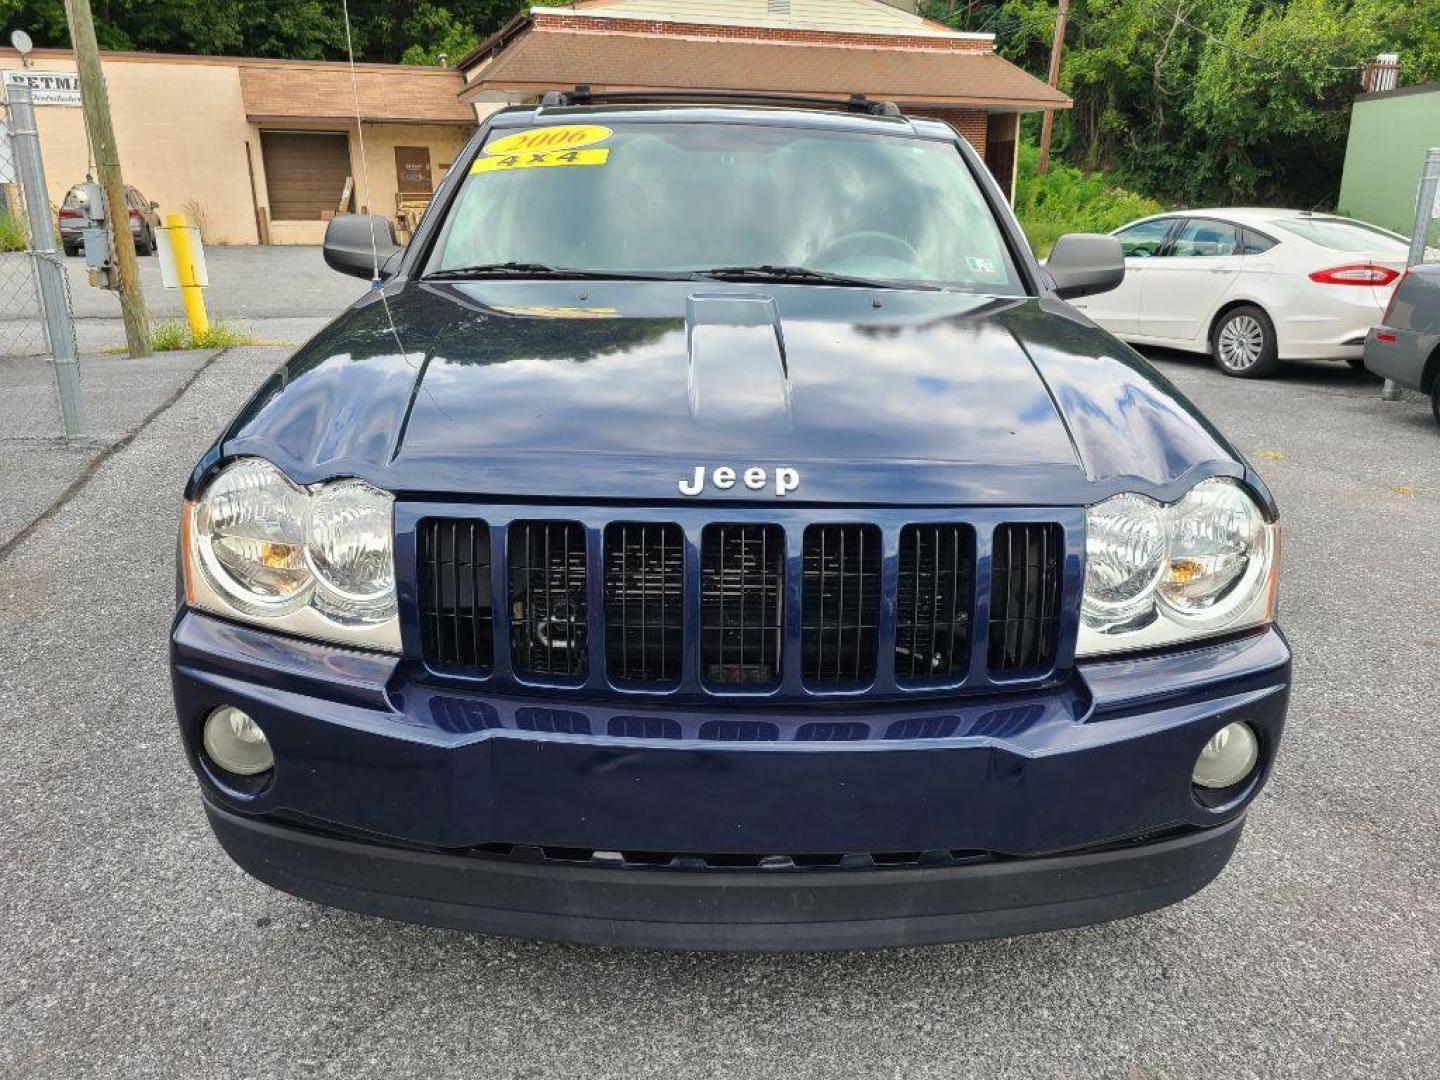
(972, 123)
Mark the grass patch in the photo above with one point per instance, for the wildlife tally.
(169, 335)
(1066, 200)
(12, 236)
(172, 334)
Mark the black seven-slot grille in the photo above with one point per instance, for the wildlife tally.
(741, 604)
(739, 585)
(1024, 596)
(457, 627)
(548, 608)
(644, 602)
(840, 605)
(933, 597)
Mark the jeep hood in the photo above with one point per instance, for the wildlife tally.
(619, 390)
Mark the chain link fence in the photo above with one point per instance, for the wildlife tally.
(35, 340)
(22, 322)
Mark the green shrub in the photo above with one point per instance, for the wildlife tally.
(169, 335)
(172, 334)
(12, 236)
(222, 336)
(1067, 200)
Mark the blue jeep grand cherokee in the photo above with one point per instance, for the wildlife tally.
(717, 532)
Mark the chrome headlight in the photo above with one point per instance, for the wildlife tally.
(1160, 574)
(318, 562)
(249, 530)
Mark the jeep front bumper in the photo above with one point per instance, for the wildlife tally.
(945, 820)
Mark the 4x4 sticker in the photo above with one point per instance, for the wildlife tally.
(541, 160)
(564, 144)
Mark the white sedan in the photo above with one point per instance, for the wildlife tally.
(1252, 287)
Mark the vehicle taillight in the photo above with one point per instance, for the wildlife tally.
(71, 214)
(1393, 297)
(1356, 274)
(134, 215)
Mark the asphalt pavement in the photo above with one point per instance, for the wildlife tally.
(281, 295)
(133, 948)
(278, 294)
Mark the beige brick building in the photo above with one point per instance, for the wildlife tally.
(262, 148)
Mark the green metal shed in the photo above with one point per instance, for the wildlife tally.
(1389, 134)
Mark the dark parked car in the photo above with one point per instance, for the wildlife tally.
(1405, 346)
(715, 530)
(74, 219)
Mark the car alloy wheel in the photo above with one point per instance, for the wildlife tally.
(1241, 340)
(1244, 344)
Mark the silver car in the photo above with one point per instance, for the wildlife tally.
(1406, 345)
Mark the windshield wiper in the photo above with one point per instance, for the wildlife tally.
(481, 271)
(767, 272)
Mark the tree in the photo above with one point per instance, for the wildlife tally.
(383, 30)
(1201, 101)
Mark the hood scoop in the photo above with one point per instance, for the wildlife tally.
(737, 374)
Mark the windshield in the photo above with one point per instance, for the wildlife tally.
(672, 198)
(1338, 234)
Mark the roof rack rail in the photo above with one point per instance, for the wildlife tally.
(583, 95)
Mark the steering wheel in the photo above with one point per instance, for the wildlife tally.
(867, 242)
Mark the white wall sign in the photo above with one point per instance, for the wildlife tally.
(48, 87)
(165, 249)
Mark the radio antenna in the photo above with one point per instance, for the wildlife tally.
(360, 133)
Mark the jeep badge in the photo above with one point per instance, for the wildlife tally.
(754, 478)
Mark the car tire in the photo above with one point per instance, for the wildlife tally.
(143, 246)
(1435, 400)
(1243, 343)
(71, 251)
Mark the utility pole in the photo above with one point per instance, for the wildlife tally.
(1048, 124)
(96, 100)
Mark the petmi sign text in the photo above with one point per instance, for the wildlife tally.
(48, 87)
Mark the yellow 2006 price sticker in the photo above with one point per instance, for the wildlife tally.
(541, 159)
(559, 137)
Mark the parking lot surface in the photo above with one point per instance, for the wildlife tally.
(278, 294)
(133, 948)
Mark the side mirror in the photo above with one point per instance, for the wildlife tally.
(154, 205)
(1083, 264)
(353, 242)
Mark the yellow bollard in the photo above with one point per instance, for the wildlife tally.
(190, 291)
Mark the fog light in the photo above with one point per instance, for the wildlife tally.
(1228, 757)
(235, 742)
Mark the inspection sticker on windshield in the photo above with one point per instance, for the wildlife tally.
(561, 312)
(545, 147)
(980, 265)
